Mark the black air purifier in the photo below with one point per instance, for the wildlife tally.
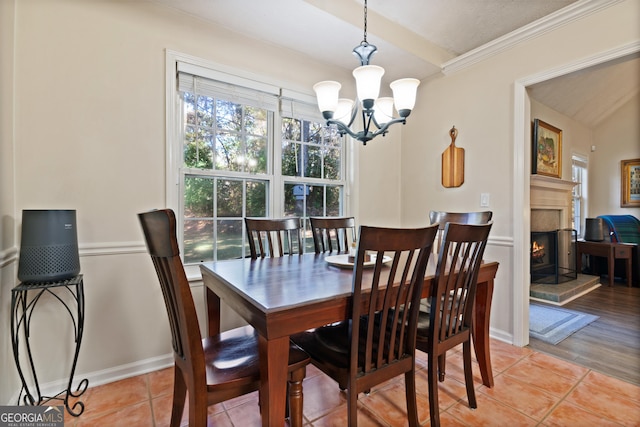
(594, 229)
(48, 246)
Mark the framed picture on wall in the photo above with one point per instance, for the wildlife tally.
(630, 183)
(547, 150)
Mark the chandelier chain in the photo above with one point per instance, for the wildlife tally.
(365, 22)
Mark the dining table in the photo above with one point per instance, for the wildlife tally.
(282, 296)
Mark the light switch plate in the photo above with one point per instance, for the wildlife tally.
(484, 200)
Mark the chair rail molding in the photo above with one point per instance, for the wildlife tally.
(8, 256)
(112, 248)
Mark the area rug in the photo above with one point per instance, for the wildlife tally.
(553, 324)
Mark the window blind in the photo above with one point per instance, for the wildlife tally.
(299, 106)
(579, 161)
(227, 91)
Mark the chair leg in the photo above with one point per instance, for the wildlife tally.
(295, 401)
(179, 396)
(432, 377)
(197, 392)
(352, 407)
(410, 391)
(442, 361)
(468, 374)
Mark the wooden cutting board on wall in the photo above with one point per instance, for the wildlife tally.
(453, 163)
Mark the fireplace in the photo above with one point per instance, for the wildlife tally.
(553, 260)
(553, 256)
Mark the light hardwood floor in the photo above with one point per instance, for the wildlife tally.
(611, 344)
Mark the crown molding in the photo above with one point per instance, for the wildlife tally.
(564, 16)
(599, 58)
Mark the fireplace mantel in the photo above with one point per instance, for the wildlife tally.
(551, 194)
(551, 184)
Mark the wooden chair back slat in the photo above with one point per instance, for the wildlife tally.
(331, 233)
(274, 237)
(442, 218)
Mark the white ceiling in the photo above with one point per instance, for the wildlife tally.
(591, 95)
(419, 34)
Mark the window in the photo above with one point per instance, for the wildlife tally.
(248, 149)
(578, 201)
(312, 169)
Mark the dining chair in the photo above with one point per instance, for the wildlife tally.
(218, 367)
(449, 322)
(379, 341)
(442, 218)
(274, 237)
(332, 232)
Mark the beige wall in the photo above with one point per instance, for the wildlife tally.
(7, 194)
(87, 132)
(616, 138)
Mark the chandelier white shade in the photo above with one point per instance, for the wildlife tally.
(404, 94)
(368, 78)
(327, 94)
(383, 110)
(342, 112)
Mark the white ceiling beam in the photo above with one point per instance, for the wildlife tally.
(352, 12)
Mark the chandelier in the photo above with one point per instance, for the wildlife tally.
(375, 111)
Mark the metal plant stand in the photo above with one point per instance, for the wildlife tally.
(21, 311)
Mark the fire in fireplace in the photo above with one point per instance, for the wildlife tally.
(537, 252)
(553, 256)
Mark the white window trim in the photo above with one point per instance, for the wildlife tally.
(582, 160)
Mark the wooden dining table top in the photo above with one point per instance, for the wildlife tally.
(274, 284)
(283, 283)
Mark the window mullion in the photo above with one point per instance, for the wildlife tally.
(277, 190)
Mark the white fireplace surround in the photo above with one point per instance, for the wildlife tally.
(550, 203)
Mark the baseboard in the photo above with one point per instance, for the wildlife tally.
(501, 335)
(107, 376)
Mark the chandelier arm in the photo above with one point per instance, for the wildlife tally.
(382, 130)
(364, 136)
(342, 128)
(375, 122)
(366, 121)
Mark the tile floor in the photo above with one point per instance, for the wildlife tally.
(531, 389)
